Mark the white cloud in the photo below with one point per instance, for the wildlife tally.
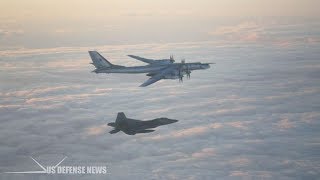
(268, 32)
(254, 114)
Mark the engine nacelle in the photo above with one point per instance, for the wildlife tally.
(175, 75)
(170, 76)
(164, 61)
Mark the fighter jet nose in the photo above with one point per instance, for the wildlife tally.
(172, 120)
(166, 120)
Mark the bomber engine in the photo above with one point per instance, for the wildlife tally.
(177, 74)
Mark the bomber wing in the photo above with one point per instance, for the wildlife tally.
(158, 76)
(149, 61)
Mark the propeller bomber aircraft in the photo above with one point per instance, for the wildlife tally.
(156, 69)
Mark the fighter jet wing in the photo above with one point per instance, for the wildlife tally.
(149, 61)
(145, 131)
(158, 76)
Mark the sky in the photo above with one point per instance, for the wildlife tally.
(60, 9)
(253, 115)
(36, 24)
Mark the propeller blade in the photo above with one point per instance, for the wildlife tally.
(181, 79)
(180, 75)
(172, 58)
(188, 72)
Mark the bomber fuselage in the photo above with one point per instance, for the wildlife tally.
(151, 68)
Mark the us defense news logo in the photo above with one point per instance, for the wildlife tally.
(57, 169)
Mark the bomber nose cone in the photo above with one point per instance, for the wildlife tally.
(206, 66)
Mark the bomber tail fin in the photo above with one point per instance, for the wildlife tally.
(99, 61)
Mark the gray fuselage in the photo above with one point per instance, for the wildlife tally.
(150, 68)
(133, 70)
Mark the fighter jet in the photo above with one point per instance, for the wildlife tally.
(133, 126)
(156, 69)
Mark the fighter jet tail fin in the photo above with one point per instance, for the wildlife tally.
(99, 61)
(114, 131)
(121, 116)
